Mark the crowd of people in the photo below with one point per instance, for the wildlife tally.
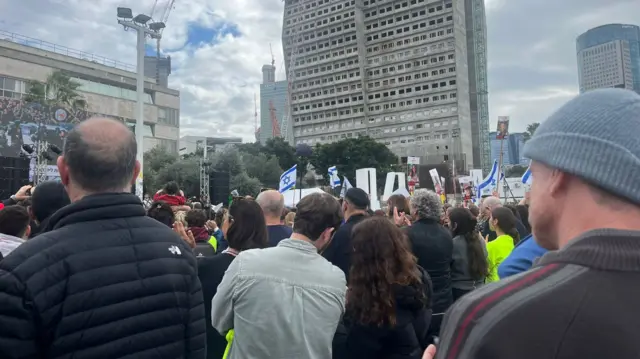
(88, 270)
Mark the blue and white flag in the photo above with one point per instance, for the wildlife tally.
(490, 182)
(526, 177)
(288, 179)
(345, 187)
(334, 180)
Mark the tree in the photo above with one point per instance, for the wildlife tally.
(58, 90)
(531, 129)
(245, 185)
(155, 160)
(350, 154)
(515, 171)
(262, 167)
(185, 172)
(229, 161)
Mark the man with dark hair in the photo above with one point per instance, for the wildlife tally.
(105, 280)
(14, 228)
(46, 199)
(270, 285)
(355, 205)
(206, 245)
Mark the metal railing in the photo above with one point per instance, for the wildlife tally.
(63, 50)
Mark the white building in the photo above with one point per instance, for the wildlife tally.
(605, 65)
(395, 70)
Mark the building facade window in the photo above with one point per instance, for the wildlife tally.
(168, 116)
(12, 88)
(170, 145)
(110, 90)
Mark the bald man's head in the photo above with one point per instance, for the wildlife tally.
(99, 156)
(271, 202)
(490, 203)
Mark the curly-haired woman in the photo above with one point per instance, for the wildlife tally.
(432, 244)
(388, 308)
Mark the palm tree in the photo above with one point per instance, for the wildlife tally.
(531, 129)
(59, 89)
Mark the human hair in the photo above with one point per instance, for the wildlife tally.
(196, 218)
(490, 202)
(219, 216)
(14, 221)
(48, 197)
(399, 202)
(513, 210)
(161, 212)
(181, 216)
(506, 222)
(315, 213)
(524, 216)
(171, 188)
(475, 211)
(248, 228)
(426, 204)
(289, 219)
(463, 223)
(100, 163)
(379, 212)
(381, 261)
(285, 212)
(271, 202)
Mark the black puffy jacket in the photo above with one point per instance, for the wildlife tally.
(407, 339)
(105, 282)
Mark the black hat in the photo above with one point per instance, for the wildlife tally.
(357, 197)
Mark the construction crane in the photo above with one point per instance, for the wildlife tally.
(273, 59)
(165, 17)
(275, 129)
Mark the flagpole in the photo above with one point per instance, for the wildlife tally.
(496, 190)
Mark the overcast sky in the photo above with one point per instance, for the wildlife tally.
(218, 48)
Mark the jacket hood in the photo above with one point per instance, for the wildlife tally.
(9, 243)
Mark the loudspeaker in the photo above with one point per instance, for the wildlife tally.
(219, 190)
(14, 173)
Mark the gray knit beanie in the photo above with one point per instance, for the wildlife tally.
(595, 136)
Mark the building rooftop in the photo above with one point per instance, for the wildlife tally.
(63, 50)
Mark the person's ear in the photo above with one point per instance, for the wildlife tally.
(63, 169)
(27, 233)
(136, 172)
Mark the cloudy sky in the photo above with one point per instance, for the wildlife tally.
(218, 48)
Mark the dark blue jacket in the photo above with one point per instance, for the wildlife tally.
(521, 258)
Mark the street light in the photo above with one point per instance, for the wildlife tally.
(139, 23)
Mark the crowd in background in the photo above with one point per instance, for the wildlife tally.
(91, 271)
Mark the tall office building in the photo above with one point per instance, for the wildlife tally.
(511, 149)
(476, 26)
(158, 68)
(273, 96)
(395, 70)
(609, 56)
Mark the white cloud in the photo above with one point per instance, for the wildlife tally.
(531, 48)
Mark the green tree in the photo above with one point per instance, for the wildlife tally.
(262, 167)
(350, 154)
(515, 171)
(155, 160)
(185, 172)
(228, 160)
(245, 185)
(531, 129)
(59, 89)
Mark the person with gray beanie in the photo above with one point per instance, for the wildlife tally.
(580, 299)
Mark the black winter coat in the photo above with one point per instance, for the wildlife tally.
(105, 282)
(406, 340)
(433, 246)
(338, 252)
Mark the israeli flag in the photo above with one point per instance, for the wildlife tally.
(526, 177)
(490, 181)
(345, 187)
(334, 180)
(288, 179)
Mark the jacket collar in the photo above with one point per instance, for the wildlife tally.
(96, 207)
(299, 245)
(603, 249)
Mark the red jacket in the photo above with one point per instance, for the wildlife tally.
(170, 199)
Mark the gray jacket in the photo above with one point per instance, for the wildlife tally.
(282, 302)
(460, 277)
